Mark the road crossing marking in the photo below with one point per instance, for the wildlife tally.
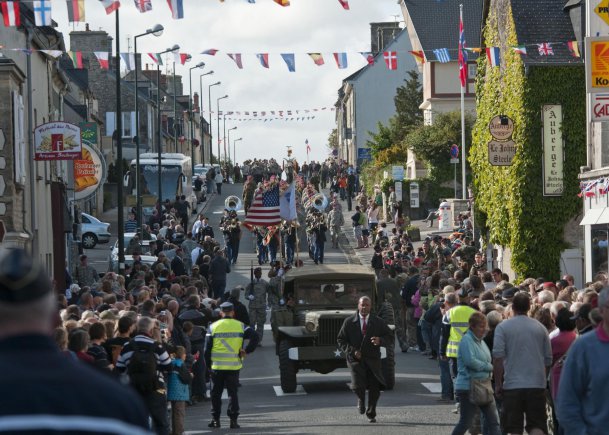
(433, 387)
(300, 391)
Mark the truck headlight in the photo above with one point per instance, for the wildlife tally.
(310, 326)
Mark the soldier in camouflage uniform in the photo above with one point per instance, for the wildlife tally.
(256, 293)
(280, 314)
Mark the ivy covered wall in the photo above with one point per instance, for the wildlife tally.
(509, 200)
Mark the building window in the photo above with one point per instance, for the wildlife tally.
(472, 69)
(600, 249)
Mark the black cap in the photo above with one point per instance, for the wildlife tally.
(21, 280)
(227, 307)
(509, 293)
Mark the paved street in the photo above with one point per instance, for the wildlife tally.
(324, 404)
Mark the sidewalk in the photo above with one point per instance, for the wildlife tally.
(365, 254)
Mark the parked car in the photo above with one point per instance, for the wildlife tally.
(93, 231)
(199, 171)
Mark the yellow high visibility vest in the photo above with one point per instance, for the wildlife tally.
(459, 323)
(227, 339)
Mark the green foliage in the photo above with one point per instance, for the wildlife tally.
(431, 143)
(333, 140)
(384, 138)
(509, 200)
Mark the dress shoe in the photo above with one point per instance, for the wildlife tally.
(372, 420)
(234, 424)
(361, 406)
(214, 423)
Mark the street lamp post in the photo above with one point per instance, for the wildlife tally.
(224, 136)
(218, 115)
(192, 146)
(119, 152)
(229, 130)
(211, 143)
(235, 150)
(175, 105)
(157, 30)
(159, 148)
(201, 116)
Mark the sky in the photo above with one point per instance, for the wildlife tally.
(236, 26)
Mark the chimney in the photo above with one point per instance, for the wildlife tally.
(87, 27)
(195, 102)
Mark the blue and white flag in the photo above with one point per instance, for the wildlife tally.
(289, 61)
(177, 9)
(42, 12)
(442, 55)
(287, 203)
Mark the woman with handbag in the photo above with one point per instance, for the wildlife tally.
(473, 384)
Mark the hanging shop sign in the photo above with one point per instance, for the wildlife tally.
(597, 64)
(90, 169)
(553, 150)
(414, 194)
(502, 149)
(57, 141)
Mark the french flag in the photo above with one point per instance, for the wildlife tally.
(10, 12)
(341, 60)
(492, 54)
(177, 8)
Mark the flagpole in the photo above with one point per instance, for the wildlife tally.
(463, 146)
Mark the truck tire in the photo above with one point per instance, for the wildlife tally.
(385, 312)
(287, 368)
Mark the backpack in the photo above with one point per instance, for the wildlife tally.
(363, 218)
(142, 367)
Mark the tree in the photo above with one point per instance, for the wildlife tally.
(333, 140)
(407, 101)
(431, 143)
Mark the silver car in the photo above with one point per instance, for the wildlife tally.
(93, 231)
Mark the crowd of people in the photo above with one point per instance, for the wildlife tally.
(516, 342)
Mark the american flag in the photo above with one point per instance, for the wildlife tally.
(143, 5)
(264, 210)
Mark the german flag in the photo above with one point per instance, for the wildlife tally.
(76, 10)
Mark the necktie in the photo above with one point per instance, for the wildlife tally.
(364, 325)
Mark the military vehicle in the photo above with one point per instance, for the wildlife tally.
(321, 297)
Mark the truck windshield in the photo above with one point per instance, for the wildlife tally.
(345, 293)
(169, 180)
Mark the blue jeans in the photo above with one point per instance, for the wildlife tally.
(488, 417)
(289, 252)
(445, 379)
(319, 252)
(426, 333)
(272, 252)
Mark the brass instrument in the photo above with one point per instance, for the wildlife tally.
(232, 203)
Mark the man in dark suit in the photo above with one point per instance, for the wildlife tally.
(360, 339)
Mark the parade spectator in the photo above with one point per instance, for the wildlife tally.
(85, 275)
(584, 384)
(143, 358)
(560, 346)
(522, 342)
(33, 367)
(474, 363)
(177, 390)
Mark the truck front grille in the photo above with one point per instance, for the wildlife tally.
(328, 331)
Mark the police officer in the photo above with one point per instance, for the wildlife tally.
(256, 293)
(224, 354)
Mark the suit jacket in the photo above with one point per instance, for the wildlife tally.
(350, 339)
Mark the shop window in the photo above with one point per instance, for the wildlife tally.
(600, 249)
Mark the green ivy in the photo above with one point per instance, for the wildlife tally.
(509, 200)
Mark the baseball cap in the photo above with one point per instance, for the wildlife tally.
(21, 279)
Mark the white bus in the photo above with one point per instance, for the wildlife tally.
(176, 176)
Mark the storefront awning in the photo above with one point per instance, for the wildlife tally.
(593, 215)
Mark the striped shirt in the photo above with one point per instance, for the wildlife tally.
(162, 357)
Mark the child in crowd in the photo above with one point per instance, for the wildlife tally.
(178, 390)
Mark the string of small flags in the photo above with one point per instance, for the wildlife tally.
(272, 113)
(593, 188)
(43, 10)
(269, 119)
(444, 55)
